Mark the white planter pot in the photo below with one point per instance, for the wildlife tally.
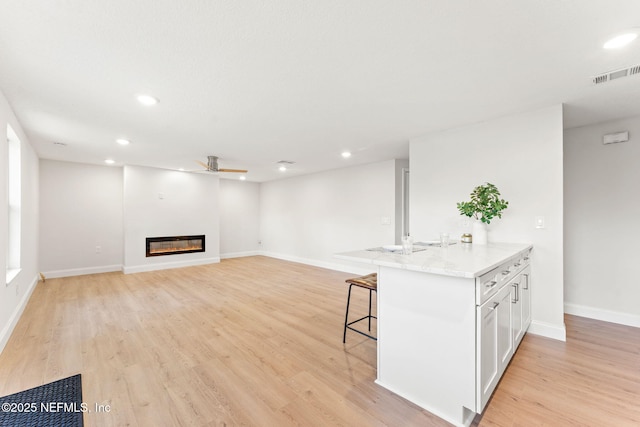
(479, 233)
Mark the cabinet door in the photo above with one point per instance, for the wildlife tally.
(505, 335)
(487, 352)
(494, 344)
(525, 298)
(516, 309)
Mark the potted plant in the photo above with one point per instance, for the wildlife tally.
(485, 205)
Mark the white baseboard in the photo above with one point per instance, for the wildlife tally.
(548, 330)
(81, 271)
(168, 265)
(239, 254)
(5, 334)
(602, 314)
(323, 264)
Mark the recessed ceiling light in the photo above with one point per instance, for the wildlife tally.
(620, 41)
(346, 154)
(181, 169)
(282, 168)
(123, 141)
(109, 161)
(242, 177)
(147, 100)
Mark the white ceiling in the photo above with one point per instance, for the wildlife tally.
(257, 81)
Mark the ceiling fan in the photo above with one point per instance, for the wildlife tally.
(212, 166)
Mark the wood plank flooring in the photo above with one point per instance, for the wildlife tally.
(593, 379)
(258, 342)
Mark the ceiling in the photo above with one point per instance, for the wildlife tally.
(255, 82)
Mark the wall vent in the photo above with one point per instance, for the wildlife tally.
(612, 138)
(616, 74)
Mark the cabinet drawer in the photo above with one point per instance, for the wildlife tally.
(487, 285)
(521, 261)
(490, 283)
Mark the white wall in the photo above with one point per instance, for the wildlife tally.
(239, 218)
(522, 156)
(602, 222)
(81, 224)
(14, 296)
(159, 202)
(401, 164)
(312, 217)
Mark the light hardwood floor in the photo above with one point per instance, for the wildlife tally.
(258, 341)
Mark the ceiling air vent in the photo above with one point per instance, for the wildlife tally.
(616, 74)
(601, 79)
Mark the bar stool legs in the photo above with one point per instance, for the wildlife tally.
(368, 282)
(370, 291)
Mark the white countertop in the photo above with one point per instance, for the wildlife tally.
(461, 260)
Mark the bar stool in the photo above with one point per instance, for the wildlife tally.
(370, 281)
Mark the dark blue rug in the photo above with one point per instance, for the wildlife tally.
(55, 404)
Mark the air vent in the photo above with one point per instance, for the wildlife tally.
(601, 79)
(59, 144)
(612, 138)
(616, 74)
(285, 162)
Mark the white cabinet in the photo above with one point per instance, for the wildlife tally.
(495, 343)
(503, 316)
(446, 322)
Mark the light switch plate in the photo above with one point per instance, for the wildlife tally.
(385, 220)
(539, 222)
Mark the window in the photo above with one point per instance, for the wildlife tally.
(14, 202)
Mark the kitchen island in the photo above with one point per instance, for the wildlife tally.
(449, 321)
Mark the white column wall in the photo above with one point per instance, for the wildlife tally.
(522, 155)
(160, 202)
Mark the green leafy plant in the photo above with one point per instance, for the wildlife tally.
(485, 203)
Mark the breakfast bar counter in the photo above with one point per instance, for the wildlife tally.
(449, 321)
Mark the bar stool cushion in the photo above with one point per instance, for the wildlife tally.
(370, 281)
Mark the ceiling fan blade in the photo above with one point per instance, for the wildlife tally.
(233, 170)
(204, 165)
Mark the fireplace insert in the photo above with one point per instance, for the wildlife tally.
(172, 245)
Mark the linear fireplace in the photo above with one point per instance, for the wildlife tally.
(171, 245)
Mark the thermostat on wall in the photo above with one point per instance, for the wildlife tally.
(612, 138)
